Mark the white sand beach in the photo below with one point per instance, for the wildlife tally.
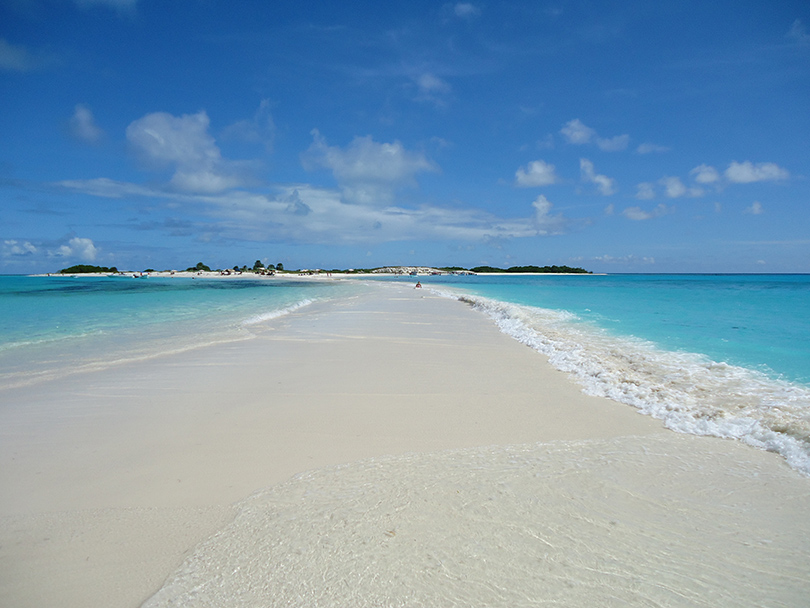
(111, 479)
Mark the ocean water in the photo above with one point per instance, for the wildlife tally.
(725, 355)
(59, 325)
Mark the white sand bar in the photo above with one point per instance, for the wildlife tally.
(111, 479)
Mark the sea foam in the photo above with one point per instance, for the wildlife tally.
(688, 391)
(275, 314)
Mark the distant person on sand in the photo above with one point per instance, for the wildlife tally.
(418, 285)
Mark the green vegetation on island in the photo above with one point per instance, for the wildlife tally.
(533, 269)
(260, 268)
(87, 269)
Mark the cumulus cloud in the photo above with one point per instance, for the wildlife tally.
(675, 188)
(15, 248)
(754, 209)
(546, 222)
(705, 174)
(638, 214)
(748, 172)
(576, 132)
(604, 184)
(645, 191)
(78, 248)
(368, 172)
(614, 144)
(83, 125)
(537, 173)
(184, 144)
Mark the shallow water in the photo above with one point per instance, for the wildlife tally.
(53, 326)
(563, 524)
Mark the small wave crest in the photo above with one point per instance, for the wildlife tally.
(47, 339)
(279, 312)
(688, 391)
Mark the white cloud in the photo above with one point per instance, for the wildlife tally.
(610, 209)
(77, 248)
(367, 171)
(754, 209)
(545, 221)
(638, 214)
(614, 144)
(747, 172)
(537, 173)
(705, 174)
(432, 88)
(645, 191)
(466, 10)
(675, 188)
(306, 214)
(650, 148)
(184, 144)
(605, 184)
(577, 133)
(83, 125)
(14, 248)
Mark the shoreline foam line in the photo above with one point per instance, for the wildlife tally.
(689, 392)
(112, 478)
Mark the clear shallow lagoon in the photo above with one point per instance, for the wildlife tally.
(51, 326)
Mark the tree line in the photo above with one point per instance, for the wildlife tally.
(533, 269)
(259, 266)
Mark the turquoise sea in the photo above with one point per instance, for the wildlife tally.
(725, 355)
(58, 325)
(722, 355)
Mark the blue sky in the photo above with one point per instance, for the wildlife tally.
(621, 136)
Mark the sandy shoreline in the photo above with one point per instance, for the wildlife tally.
(111, 478)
